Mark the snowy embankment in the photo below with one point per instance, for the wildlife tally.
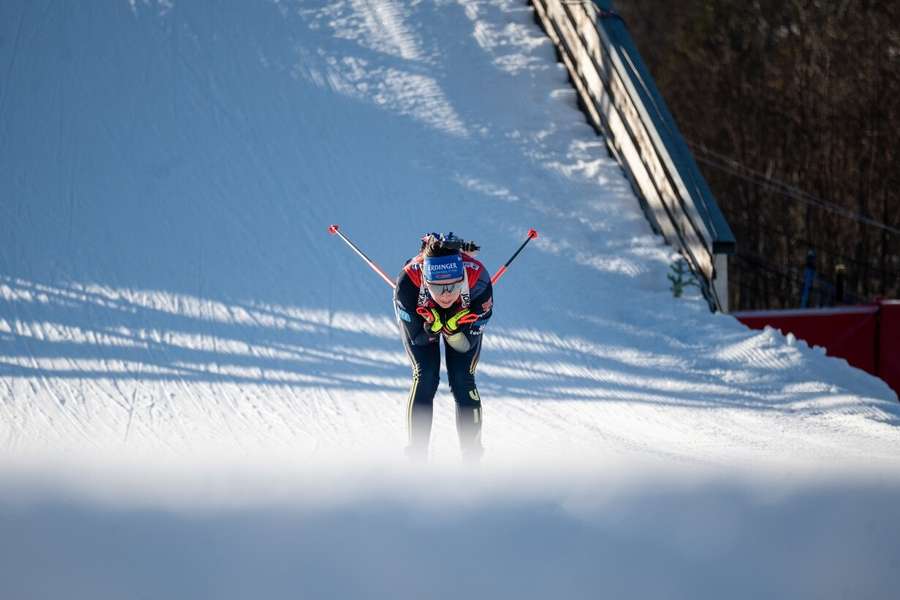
(191, 367)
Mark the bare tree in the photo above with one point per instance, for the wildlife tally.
(792, 109)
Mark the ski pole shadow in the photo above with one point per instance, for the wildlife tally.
(55, 332)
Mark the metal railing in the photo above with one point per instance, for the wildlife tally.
(622, 102)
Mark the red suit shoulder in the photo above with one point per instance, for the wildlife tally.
(414, 270)
(474, 268)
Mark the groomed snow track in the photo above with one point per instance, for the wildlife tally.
(201, 381)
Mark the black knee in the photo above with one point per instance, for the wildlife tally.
(426, 379)
(463, 387)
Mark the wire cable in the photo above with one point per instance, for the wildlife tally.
(736, 169)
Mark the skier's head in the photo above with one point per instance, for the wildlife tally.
(442, 268)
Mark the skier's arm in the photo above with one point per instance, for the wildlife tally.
(406, 299)
(481, 305)
(470, 322)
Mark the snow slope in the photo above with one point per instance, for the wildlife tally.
(179, 333)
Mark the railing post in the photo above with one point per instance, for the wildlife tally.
(840, 277)
(809, 277)
(720, 282)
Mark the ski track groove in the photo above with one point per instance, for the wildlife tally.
(165, 395)
(16, 429)
(130, 417)
(59, 401)
(97, 389)
(254, 349)
(98, 342)
(237, 404)
(22, 324)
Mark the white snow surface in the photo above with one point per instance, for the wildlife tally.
(203, 394)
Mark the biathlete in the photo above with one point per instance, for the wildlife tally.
(444, 293)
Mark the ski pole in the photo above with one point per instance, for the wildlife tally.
(531, 234)
(334, 229)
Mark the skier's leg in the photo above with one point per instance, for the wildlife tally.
(426, 366)
(461, 373)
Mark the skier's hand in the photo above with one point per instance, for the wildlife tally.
(432, 318)
(463, 317)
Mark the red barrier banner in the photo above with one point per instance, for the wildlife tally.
(889, 344)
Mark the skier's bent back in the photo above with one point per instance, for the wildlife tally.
(444, 293)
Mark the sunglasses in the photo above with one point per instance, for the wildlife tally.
(438, 289)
